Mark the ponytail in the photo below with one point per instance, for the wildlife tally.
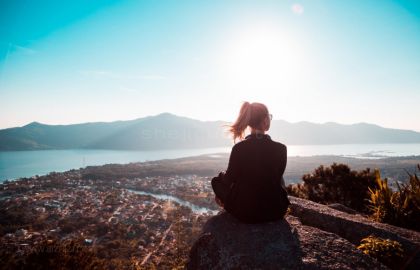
(251, 114)
(237, 129)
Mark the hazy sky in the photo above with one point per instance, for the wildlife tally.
(81, 61)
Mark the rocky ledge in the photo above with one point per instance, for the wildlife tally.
(312, 236)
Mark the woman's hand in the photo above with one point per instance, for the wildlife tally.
(219, 202)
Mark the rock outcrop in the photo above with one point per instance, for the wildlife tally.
(355, 227)
(313, 236)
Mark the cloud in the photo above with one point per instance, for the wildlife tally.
(11, 47)
(150, 77)
(297, 9)
(96, 73)
(25, 50)
(128, 89)
(113, 75)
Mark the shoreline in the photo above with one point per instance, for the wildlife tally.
(392, 166)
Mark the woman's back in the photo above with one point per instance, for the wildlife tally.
(257, 165)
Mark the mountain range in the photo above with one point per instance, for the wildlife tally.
(169, 131)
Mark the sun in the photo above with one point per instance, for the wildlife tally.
(262, 58)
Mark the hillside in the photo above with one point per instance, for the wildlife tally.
(117, 221)
(169, 131)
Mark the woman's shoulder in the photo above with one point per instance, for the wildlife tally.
(280, 145)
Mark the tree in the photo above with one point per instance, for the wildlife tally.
(336, 184)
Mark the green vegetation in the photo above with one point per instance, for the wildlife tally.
(336, 184)
(400, 208)
(364, 191)
(386, 251)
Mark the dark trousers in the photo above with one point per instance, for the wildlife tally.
(221, 186)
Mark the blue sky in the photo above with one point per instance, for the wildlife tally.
(78, 61)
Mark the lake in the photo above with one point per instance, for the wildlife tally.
(16, 164)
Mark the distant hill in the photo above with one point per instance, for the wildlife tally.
(333, 133)
(169, 131)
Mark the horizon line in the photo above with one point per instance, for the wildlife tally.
(183, 116)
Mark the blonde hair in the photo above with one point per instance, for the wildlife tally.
(250, 114)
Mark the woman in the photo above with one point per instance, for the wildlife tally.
(252, 189)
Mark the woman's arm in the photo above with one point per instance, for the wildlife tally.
(233, 165)
(283, 164)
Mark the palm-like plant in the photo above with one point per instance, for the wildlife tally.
(402, 207)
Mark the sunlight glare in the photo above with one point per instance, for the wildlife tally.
(263, 58)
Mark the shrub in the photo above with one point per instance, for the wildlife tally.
(386, 251)
(400, 208)
(336, 184)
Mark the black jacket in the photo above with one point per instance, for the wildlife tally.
(256, 165)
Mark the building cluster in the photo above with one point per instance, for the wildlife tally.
(192, 188)
(113, 221)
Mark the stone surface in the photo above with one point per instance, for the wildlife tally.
(355, 227)
(225, 243)
(343, 208)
